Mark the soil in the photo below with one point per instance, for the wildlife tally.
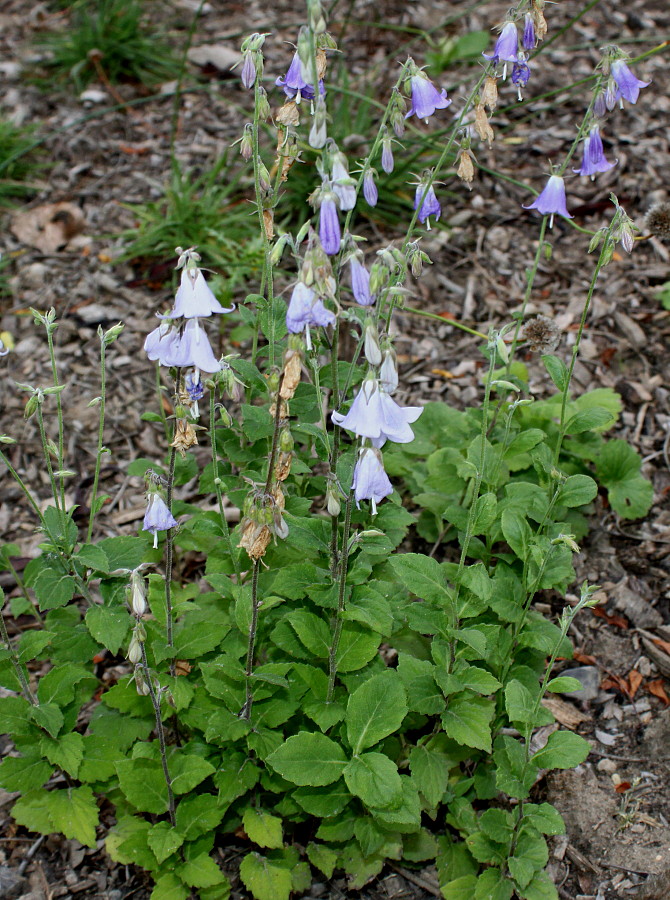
(103, 155)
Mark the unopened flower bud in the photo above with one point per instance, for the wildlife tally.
(372, 350)
(379, 277)
(247, 142)
(108, 337)
(135, 651)
(278, 250)
(264, 177)
(286, 442)
(333, 504)
(140, 682)
(225, 416)
(318, 133)
(317, 20)
(138, 589)
(264, 110)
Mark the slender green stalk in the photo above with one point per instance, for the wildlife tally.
(22, 587)
(159, 398)
(26, 493)
(169, 555)
(428, 315)
(258, 191)
(47, 458)
(100, 448)
(341, 597)
(59, 411)
(217, 486)
(160, 733)
(245, 713)
(18, 668)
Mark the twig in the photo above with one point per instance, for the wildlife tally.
(417, 880)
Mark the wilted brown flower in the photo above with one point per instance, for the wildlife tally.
(489, 95)
(465, 171)
(292, 374)
(482, 125)
(657, 220)
(184, 436)
(542, 334)
(288, 115)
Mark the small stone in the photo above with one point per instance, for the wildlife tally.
(589, 677)
(35, 274)
(607, 765)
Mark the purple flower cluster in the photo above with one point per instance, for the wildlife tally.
(180, 339)
(374, 414)
(294, 83)
(593, 155)
(306, 309)
(627, 85)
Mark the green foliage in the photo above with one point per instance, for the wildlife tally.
(19, 164)
(113, 33)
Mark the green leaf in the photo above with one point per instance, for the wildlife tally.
(199, 815)
(265, 879)
(544, 817)
(497, 824)
(109, 626)
(374, 778)
(74, 812)
(467, 720)
(93, 557)
(423, 576)
(405, 817)
(31, 811)
(530, 856)
(123, 552)
(48, 716)
(257, 423)
(423, 695)
(24, 773)
(618, 468)
(323, 858)
(163, 840)
(66, 752)
(33, 643)
(15, 715)
(462, 888)
(200, 872)
(143, 783)
(169, 887)
(519, 703)
(323, 802)
(577, 490)
(493, 885)
(375, 710)
(540, 888)
(193, 639)
(430, 773)
(308, 759)
(52, 588)
(475, 679)
(557, 371)
(262, 828)
(313, 632)
(358, 645)
(587, 420)
(563, 750)
(513, 775)
(187, 771)
(564, 684)
(516, 532)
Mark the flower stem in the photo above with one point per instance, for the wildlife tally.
(18, 668)
(59, 412)
(100, 449)
(217, 487)
(245, 712)
(160, 733)
(341, 595)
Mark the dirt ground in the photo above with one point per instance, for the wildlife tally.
(617, 804)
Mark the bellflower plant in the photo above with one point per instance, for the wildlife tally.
(360, 280)
(370, 191)
(294, 84)
(329, 223)
(427, 203)
(627, 85)
(157, 516)
(506, 47)
(370, 481)
(593, 155)
(194, 297)
(552, 200)
(426, 98)
(375, 415)
(305, 309)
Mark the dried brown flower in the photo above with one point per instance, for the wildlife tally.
(184, 437)
(466, 170)
(489, 96)
(482, 125)
(292, 374)
(542, 334)
(657, 220)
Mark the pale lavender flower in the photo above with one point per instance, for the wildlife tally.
(343, 185)
(552, 200)
(195, 390)
(593, 158)
(430, 205)
(520, 73)
(360, 280)
(387, 154)
(157, 517)
(370, 481)
(529, 39)
(160, 341)
(248, 74)
(426, 98)
(194, 297)
(191, 349)
(304, 310)
(370, 191)
(374, 414)
(329, 223)
(600, 105)
(628, 86)
(294, 84)
(388, 374)
(506, 46)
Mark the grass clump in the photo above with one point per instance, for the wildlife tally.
(109, 40)
(17, 161)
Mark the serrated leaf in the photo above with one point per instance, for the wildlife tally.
(93, 557)
(309, 759)
(66, 752)
(519, 702)
(143, 783)
(163, 840)
(33, 643)
(265, 880)
(199, 815)
(21, 773)
(358, 645)
(200, 872)
(109, 626)
(375, 710)
(262, 828)
(618, 468)
(74, 812)
(323, 858)
(430, 773)
(374, 778)
(423, 576)
(48, 716)
(563, 750)
(468, 721)
(587, 420)
(169, 887)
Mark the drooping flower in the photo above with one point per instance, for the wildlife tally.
(329, 223)
(387, 154)
(370, 480)
(157, 516)
(306, 309)
(370, 191)
(318, 133)
(552, 200)
(294, 84)
(374, 414)
(506, 46)
(427, 203)
(593, 158)
(192, 348)
(628, 86)
(426, 98)
(195, 390)
(194, 297)
(520, 73)
(360, 280)
(343, 184)
(388, 374)
(248, 74)
(529, 39)
(160, 341)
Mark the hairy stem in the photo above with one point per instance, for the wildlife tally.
(217, 486)
(245, 712)
(18, 668)
(160, 733)
(101, 429)
(341, 596)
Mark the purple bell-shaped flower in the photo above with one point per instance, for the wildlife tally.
(552, 200)
(426, 98)
(370, 480)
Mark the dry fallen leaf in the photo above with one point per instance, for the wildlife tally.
(49, 227)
